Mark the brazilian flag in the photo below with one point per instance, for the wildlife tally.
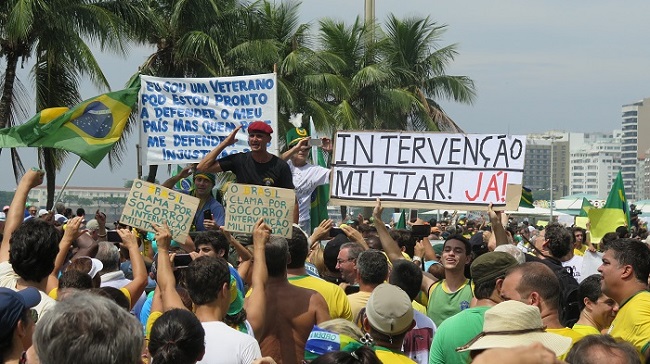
(88, 130)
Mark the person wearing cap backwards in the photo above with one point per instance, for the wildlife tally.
(16, 322)
(306, 176)
(202, 189)
(256, 167)
(387, 319)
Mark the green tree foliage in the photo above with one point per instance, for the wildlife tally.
(58, 35)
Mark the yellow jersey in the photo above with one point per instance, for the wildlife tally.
(567, 332)
(632, 322)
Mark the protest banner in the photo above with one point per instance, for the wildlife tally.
(182, 119)
(151, 203)
(245, 204)
(590, 263)
(427, 170)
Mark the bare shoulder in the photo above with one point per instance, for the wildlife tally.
(317, 300)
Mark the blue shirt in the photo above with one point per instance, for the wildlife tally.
(218, 214)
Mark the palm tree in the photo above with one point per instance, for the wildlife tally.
(410, 48)
(394, 80)
(58, 34)
(370, 98)
(191, 39)
(276, 39)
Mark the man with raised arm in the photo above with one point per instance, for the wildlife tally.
(256, 167)
(203, 183)
(306, 177)
(28, 250)
(208, 282)
(449, 296)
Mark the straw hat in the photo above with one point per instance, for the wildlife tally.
(513, 323)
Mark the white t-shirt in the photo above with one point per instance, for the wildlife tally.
(418, 342)
(225, 345)
(8, 279)
(306, 179)
(576, 264)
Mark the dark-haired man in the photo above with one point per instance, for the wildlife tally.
(454, 293)
(208, 282)
(558, 241)
(257, 167)
(417, 341)
(488, 272)
(596, 309)
(28, 249)
(625, 270)
(337, 301)
(291, 311)
(535, 284)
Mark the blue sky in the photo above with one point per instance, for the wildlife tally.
(537, 65)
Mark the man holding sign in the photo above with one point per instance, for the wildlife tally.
(257, 167)
(210, 215)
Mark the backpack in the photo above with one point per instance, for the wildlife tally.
(569, 307)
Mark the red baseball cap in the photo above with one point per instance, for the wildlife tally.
(260, 127)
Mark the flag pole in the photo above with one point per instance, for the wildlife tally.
(65, 184)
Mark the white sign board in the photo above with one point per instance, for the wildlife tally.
(183, 119)
(460, 171)
(150, 203)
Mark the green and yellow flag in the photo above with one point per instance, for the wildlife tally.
(321, 196)
(586, 206)
(401, 223)
(615, 213)
(526, 198)
(616, 198)
(88, 130)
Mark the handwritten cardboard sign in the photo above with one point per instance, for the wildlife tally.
(182, 119)
(427, 170)
(151, 203)
(245, 204)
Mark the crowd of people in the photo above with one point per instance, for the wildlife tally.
(501, 290)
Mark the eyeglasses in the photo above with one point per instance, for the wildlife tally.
(34, 314)
(341, 261)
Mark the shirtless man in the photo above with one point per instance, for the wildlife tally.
(291, 311)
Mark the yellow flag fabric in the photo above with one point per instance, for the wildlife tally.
(605, 220)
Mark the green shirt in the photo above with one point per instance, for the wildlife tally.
(444, 304)
(456, 331)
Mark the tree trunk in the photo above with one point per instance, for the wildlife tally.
(153, 171)
(50, 174)
(7, 98)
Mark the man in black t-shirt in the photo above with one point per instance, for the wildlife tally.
(257, 167)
